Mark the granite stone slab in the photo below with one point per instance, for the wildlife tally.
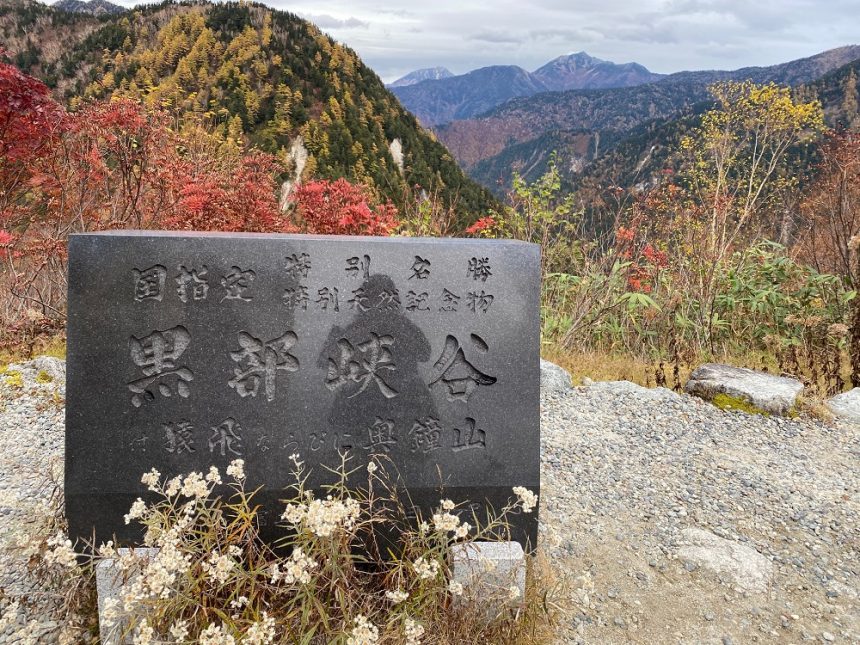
(187, 350)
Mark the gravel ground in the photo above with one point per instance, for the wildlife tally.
(31, 448)
(625, 471)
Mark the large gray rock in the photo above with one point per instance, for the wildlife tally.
(846, 405)
(765, 392)
(553, 378)
(742, 565)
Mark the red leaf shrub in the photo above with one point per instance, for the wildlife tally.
(342, 208)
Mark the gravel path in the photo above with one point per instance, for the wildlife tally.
(625, 472)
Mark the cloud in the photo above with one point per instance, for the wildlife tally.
(395, 38)
(496, 37)
(325, 21)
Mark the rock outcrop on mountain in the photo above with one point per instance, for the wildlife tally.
(92, 7)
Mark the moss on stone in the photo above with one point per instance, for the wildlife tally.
(44, 377)
(736, 403)
(14, 378)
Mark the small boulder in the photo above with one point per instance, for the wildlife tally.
(553, 379)
(746, 567)
(762, 391)
(635, 391)
(42, 371)
(846, 405)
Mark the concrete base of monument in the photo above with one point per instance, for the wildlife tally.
(493, 574)
(109, 582)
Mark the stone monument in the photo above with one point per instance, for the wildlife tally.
(187, 350)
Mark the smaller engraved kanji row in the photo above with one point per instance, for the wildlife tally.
(426, 435)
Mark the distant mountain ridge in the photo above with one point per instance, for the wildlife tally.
(524, 131)
(419, 75)
(92, 7)
(436, 102)
(584, 72)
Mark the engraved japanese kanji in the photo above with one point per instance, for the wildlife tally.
(149, 283)
(179, 437)
(365, 364)
(459, 377)
(298, 265)
(417, 301)
(425, 435)
(479, 269)
(358, 267)
(236, 283)
(157, 355)
(227, 437)
(191, 284)
(450, 301)
(470, 437)
(260, 361)
(381, 435)
(327, 299)
(296, 297)
(420, 268)
(479, 301)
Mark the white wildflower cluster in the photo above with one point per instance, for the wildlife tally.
(397, 596)
(215, 635)
(218, 567)
(413, 631)
(323, 517)
(262, 632)
(297, 569)
(61, 552)
(179, 631)
(425, 568)
(363, 633)
(448, 522)
(455, 588)
(195, 485)
(239, 602)
(161, 571)
(527, 498)
(106, 550)
(145, 634)
(137, 511)
(109, 614)
(236, 469)
(513, 592)
(372, 467)
(151, 479)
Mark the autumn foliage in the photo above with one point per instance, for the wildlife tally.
(339, 207)
(117, 164)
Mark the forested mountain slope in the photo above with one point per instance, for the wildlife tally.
(248, 69)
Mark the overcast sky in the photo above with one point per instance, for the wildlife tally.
(664, 35)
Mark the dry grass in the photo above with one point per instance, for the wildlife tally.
(600, 366)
